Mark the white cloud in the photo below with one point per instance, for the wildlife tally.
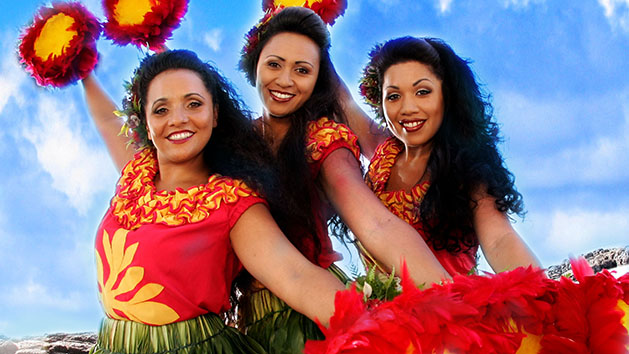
(213, 39)
(11, 74)
(520, 3)
(545, 136)
(78, 170)
(583, 230)
(34, 294)
(444, 5)
(617, 12)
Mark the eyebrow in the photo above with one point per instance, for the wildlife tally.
(164, 99)
(297, 62)
(414, 83)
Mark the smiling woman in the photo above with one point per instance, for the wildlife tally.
(441, 171)
(192, 196)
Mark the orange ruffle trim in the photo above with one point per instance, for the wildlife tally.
(401, 203)
(323, 133)
(137, 202)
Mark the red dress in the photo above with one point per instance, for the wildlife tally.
(164, 257)
(404, 204)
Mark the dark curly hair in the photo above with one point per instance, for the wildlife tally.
(295, 174)
(235, 148)
(465, 157)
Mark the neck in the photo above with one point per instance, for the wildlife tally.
(274, 129)
(172, 176)
(416, 154)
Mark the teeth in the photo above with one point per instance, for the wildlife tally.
(281, 95)
(180, 136)
(413, 124)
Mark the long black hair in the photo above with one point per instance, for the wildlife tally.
(235, 149)
(295, 174)
(465, 159)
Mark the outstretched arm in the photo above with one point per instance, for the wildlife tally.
(502, 246)
(270, 258)
(102, 109)
(388, 238)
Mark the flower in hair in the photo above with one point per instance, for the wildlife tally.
(143, 22)
(328, 10)
(59, 47)
(252, 38)
(370, 83)
(134, 126)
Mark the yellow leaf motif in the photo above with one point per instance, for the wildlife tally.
(118, 258)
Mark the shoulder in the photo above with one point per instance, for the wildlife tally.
(382, 162)
(325, 135)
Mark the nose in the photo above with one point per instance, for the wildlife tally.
(409, 105)
(179, 117)
(284, 78)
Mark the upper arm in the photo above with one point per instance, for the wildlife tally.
(102, 109)
(369, 133)
(270, 258)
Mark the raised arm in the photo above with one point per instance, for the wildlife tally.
(370, 135)
(270, 258)
(388, 238)
(502, 246)
(102, 109)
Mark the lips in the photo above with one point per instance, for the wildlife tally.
(180, 136)
(281, 96)
(412, 125)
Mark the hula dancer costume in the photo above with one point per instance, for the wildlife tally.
(165, 264)
(405, 206)
(269, 320)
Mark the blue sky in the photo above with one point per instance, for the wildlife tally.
(556, 69)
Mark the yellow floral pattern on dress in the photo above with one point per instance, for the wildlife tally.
(137, 202)
(138, 308)
(323, 133)
(400, 203)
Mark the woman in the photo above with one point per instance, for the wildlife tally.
(441, 170)
(179, 228)
(287, 58)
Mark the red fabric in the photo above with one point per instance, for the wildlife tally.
(193, 261)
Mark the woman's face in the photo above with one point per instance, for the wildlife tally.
(287, 72)
(413, 102)
(180, 115)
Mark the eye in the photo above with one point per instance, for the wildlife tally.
(422, 92)
(393, 97)
(303, 71)
(160, 111)
(194, 104)
(273, 64)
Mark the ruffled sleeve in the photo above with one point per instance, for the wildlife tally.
(325, 136)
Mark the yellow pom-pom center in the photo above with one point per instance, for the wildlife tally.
(132, 12)
(624, 307)
(287, 3)
(55, 36)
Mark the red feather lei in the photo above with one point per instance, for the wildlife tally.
(486, 314)
(59, 47)
(150, 27)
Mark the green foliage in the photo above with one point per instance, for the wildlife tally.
(379, 285)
